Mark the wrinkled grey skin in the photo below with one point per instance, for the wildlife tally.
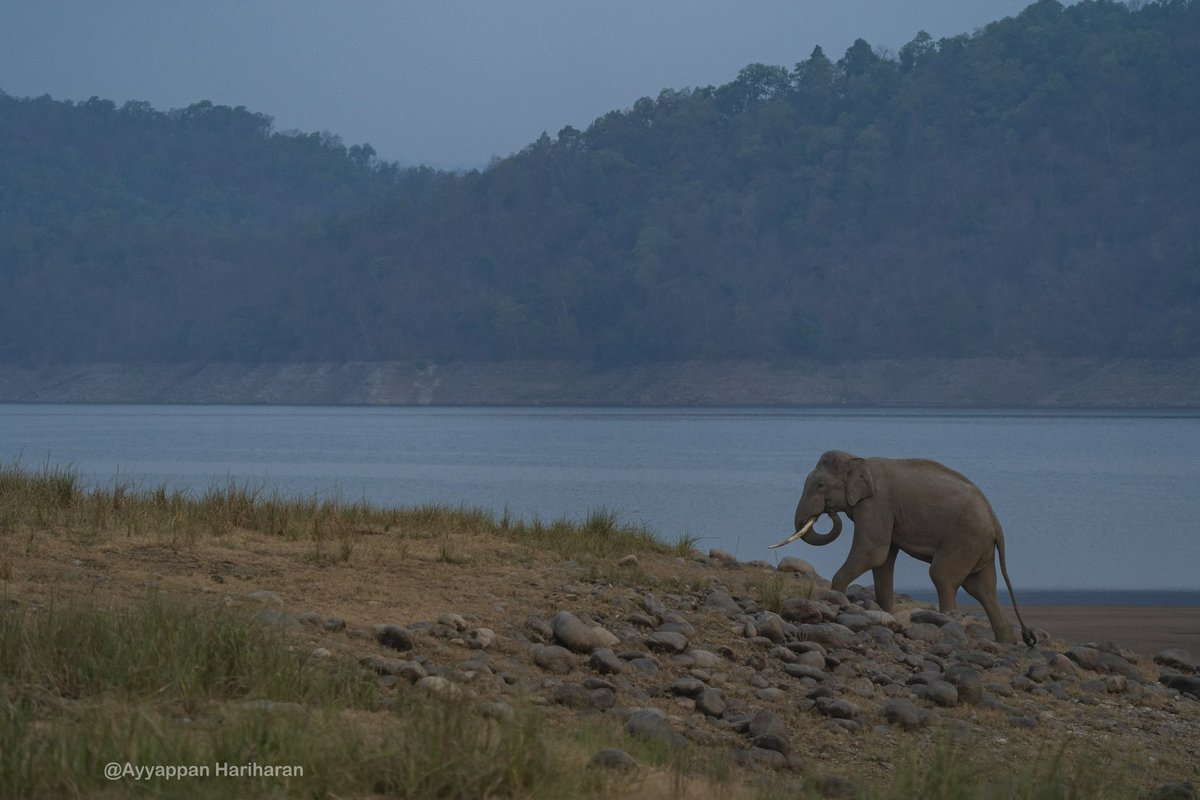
(918, 507)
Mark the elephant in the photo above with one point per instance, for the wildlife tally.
(916, 506)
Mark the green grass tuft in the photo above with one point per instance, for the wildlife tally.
(601, 534)
(54, 499)
(162, 683)
(952, 772)
(163, 647)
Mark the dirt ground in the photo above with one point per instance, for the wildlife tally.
(384, 578)
(1143, 629)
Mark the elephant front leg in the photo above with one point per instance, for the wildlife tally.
(863, 556)
(883, 575)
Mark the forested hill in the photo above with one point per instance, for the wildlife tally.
(1031, 189)
(133, 234)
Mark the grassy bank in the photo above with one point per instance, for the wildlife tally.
(127, 636)
(164, 683)
(55, 499)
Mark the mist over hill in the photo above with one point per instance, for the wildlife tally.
(1031, 190)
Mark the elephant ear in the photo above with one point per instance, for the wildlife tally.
(859, 483)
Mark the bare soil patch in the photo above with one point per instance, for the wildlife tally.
(1144, 629)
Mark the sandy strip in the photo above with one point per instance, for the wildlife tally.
(1143, 629)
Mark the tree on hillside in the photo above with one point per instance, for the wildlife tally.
(1028, 189)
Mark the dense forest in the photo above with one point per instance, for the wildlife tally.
(1030, 189)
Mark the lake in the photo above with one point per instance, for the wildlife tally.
(1090, 501)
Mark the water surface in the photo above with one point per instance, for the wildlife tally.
(1089, 501)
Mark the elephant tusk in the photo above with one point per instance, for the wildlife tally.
(807, 527)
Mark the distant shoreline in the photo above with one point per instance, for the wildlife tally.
(1171, 598)
(983, 383)
(1145, 622)
(1144, 629)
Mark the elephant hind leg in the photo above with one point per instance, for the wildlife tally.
(982, 586)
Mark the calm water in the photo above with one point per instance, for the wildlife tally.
(1089, 501)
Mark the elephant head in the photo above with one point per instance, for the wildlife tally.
(839, 482)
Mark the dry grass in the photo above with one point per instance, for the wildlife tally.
(54, 499)
(162, 683)
(99, 665)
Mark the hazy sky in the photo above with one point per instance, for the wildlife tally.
(443, 82)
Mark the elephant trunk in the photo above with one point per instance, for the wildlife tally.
(810, 536)
(820, 539)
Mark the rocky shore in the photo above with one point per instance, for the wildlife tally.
(990, 382)
(793, 690)
(652, 662)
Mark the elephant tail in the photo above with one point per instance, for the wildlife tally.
(1026, 633)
